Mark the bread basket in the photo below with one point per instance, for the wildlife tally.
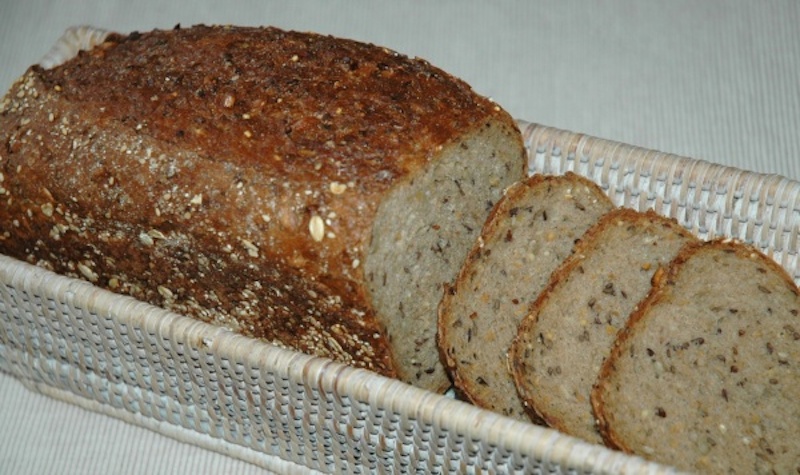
(294, 413)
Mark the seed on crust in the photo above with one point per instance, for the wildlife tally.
(316, 226)
(87, 272)
(146, 239)
(47, 209)
(252, 249)
(338, 188)
(165, 292)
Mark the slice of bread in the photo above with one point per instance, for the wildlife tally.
(528, 234)
(561, 344)
(706, 375)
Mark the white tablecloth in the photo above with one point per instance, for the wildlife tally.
(717, 80)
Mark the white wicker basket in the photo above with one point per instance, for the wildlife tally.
(293, 413)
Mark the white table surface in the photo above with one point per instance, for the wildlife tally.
(713, 79)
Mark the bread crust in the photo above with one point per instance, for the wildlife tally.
(228, 173)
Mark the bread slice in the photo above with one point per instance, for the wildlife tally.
(530, 231)
(560, 345)
(312, 191)
(706, 375)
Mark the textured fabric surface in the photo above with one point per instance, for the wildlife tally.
(715, 80)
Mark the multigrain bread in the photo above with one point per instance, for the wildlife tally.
(311, 191)
(528, 234)
(562, 342)
(706, 374)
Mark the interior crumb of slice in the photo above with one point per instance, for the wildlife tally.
(530, 233)
(709, 377)
(569, 334)
(421, 235)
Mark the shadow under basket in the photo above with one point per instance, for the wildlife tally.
(293, 413)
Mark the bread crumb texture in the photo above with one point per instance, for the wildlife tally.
(562, 343)
(528, 234)
(707, 373)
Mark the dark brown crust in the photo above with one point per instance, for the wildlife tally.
(566, 268)
(662, 280)
(231, 174)
(498, 212)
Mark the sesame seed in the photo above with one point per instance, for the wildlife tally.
(87, 272)
(165, 292)
(248, 134)
(146, 239)
(338, 188)
(252, 249)
(316, 226)
(156, 234)
(47, 209)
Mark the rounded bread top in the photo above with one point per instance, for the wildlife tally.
(278, 100)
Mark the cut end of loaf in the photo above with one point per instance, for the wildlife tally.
(421, 236)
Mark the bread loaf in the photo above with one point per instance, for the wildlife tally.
(561, 344)
(311, 191)
(529, 233)
(706, 373)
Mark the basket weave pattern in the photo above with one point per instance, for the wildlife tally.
(709, 199)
